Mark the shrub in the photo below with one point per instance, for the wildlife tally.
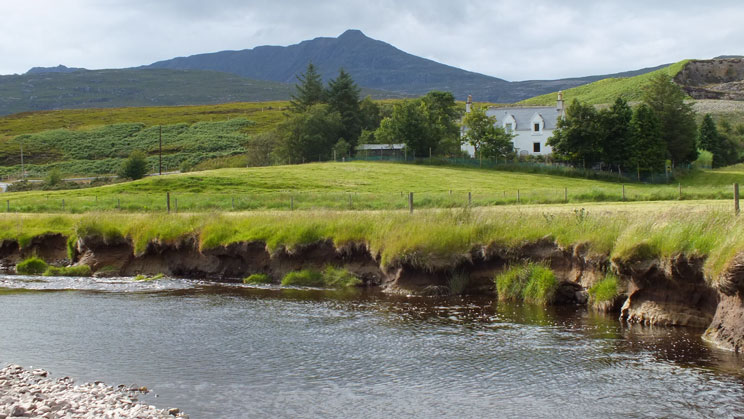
(134, 167)
(53, 178)
(604, 290)
(340, 278)
(531, 282)
(458, 282)
(257, 279)
(304, 278)
(80, 270)
(32, 266)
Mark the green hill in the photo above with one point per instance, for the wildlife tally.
(606, 90)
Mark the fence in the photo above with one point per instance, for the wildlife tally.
(80, 201)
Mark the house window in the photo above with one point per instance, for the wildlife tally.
(535, 147)
(508, 128)
(537, 126)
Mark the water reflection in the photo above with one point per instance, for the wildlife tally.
(235, 351)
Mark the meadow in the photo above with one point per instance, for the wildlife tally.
(358, 186)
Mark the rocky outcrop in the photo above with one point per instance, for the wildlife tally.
(713, 79)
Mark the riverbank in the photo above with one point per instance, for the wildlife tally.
(25, 393)
(676, 265)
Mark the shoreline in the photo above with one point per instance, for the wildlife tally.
(33, 393)
(670, 268)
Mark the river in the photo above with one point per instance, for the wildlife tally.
(235, 351)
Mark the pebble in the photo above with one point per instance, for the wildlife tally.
(25, 393)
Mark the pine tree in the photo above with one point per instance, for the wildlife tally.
(648, 147)
(615, 125)
(309, 90)
(577, 136)
(343, 97)
(710, 140)
(676, 118)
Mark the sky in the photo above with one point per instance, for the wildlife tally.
(510, 39)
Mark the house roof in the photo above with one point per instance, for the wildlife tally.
(523, 116)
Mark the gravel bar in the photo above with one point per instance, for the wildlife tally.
(25, 393)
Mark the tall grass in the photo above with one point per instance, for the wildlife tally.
(531, 282)
(439, 239)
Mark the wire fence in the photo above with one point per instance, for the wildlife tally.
(319, 200)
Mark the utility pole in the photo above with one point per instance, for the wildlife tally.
(23, 171)
(160, 170)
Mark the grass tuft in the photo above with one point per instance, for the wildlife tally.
(79, 270)
(304, 278)
(604, 290)
(257, 279)
(31, 266)
(533, 283)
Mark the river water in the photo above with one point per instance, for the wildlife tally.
(235, 351)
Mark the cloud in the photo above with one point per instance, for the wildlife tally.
(511, 39)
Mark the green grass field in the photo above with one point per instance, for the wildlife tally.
(357, 186)
(606, 90)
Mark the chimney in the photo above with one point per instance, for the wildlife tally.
(469, 104)
(559, 105)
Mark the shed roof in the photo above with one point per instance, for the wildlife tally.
(381, 147)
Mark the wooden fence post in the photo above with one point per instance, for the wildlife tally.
(410, 202)
(565, 194)
(118, 203)
(7, 209)
(167, 201)
(233, 203)
(518, 197)
(470, 199)
(623, 193)
(63, 204)
(680, 191)
(736, 198)
(350, 205)
(175, 201)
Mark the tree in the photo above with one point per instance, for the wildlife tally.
(481, 132)
(408, 124)
(341, 149)
(649, 148)
(710, 140)
(577, 136)
(342, 96)
(617, 146)
(309, 90)
(260, 148)
(309, 136)
(135, 166)
(676, 118)
(370, 114)
(443, 114)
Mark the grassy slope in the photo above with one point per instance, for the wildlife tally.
(429, 238)
(606, 90)
(262, 113)
(716, 177)
(376, 186)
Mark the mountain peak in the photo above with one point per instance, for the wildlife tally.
(58, 69)
(352, 34)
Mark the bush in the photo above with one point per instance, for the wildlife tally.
(134, 167)
(53, 178)
(304, 278)
(532, 283)
(257, 279)
(80, 270)
(604, 290)
(32, 266)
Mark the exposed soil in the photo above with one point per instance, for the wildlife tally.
(713, 79)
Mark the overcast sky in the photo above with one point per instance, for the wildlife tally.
(510, 39)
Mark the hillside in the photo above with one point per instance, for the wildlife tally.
(48, 89)
(357, 185)
(372, 64)
(607, 90)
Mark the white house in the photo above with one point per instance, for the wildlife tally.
(531, 126)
